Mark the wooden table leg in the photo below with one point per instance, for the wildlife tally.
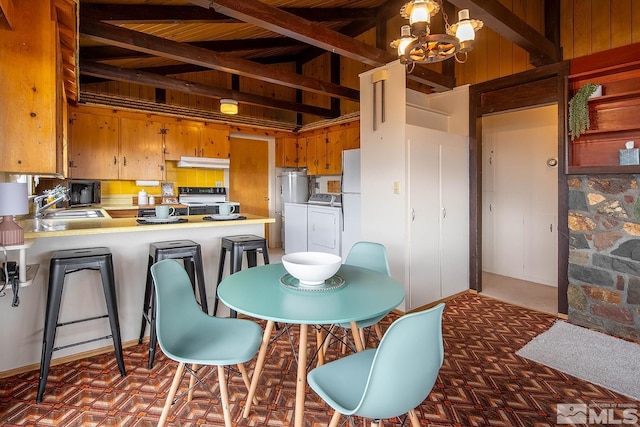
(301, 383)
(266, 337)
(356, 336)
(319, 346)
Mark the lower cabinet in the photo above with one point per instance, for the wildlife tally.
(438, 189)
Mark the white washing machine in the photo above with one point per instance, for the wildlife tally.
(324, 224)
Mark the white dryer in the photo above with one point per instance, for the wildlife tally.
(324, 224)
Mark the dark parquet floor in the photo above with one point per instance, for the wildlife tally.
(482, 383)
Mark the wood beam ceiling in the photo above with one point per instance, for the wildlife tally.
(303, 32)
(154, 80)
(134, 40)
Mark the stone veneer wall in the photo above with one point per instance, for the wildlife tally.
(604, 253)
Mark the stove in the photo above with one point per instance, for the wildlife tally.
(203, 200)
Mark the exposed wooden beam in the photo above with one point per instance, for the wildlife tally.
(148, 14)
(106, 53)
(508, 25)
(315, 34)
(154, 80)
(134, 40)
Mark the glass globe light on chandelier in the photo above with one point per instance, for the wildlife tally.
(416, 43)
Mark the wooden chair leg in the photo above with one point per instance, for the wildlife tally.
(245, 378)
(172, 393)
(224, 396)
(362, 338)
(192, 382)
(335, 419)
(378, 330)
(415, 422)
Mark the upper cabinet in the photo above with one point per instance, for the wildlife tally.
(195, 140)
(291, 152)
(107, 146)
(324, 147)
(93, 151)
(181, 139)
(214, 141)
(30, 122)
(141, 149)
(613, 116)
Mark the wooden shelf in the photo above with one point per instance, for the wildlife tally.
(614, 97)
(603, 170)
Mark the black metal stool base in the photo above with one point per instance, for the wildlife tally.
(67, 262)
(238, 245)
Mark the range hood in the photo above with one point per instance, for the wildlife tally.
(203, 162)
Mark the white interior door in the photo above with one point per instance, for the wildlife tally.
(454, 214)
(424, 225)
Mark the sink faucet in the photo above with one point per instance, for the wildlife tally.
(58, 194)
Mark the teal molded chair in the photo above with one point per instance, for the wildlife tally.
(189, 336)
(373, 256)
(390, 380)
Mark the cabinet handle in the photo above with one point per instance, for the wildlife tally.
(413, 214)
(551, 228)
(444, 213)
(195, 152)
(490, 207)
(125, 161)
(115, 160)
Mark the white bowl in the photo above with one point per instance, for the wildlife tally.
(311, 268)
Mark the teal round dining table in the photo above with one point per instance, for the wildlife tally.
(268, 293)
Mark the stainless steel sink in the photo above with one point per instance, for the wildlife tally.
(75, 214)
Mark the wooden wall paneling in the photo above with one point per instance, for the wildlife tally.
(621, 23)
(601, 24)
(566, 29)
(582, 30)
(493, 55)
(635, 22)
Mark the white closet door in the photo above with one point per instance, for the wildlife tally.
(424, 228)
(454, 214)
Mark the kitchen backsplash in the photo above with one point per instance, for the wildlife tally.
(121, 191)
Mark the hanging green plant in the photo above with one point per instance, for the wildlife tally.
(579, 110)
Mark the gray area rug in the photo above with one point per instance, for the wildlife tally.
(592, 356)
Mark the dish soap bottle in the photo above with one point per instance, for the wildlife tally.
(143, 198)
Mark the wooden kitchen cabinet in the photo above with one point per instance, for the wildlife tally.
(31, 140)
(141, 149)
(290, 152)
(317, 153)
(106, 146)
(181, 140)
(93, 146)
(214, 141)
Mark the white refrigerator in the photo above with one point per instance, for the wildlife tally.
(350, 200)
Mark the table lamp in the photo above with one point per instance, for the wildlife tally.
(13, 201)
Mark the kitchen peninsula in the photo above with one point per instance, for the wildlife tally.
(83, 297)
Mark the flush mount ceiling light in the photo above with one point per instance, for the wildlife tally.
(417, 44)
(229, 106)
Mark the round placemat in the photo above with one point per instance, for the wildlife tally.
(332, 283)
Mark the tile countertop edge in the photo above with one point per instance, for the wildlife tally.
(81, 227)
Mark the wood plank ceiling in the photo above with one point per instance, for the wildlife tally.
(146, 42)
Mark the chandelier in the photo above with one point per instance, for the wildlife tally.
(417, 44)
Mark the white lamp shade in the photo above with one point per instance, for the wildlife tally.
(465, 31)
(420, 12)
(13, 198)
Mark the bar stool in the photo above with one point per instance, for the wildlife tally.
(191, 255)
(238, 245)
(66, 262)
